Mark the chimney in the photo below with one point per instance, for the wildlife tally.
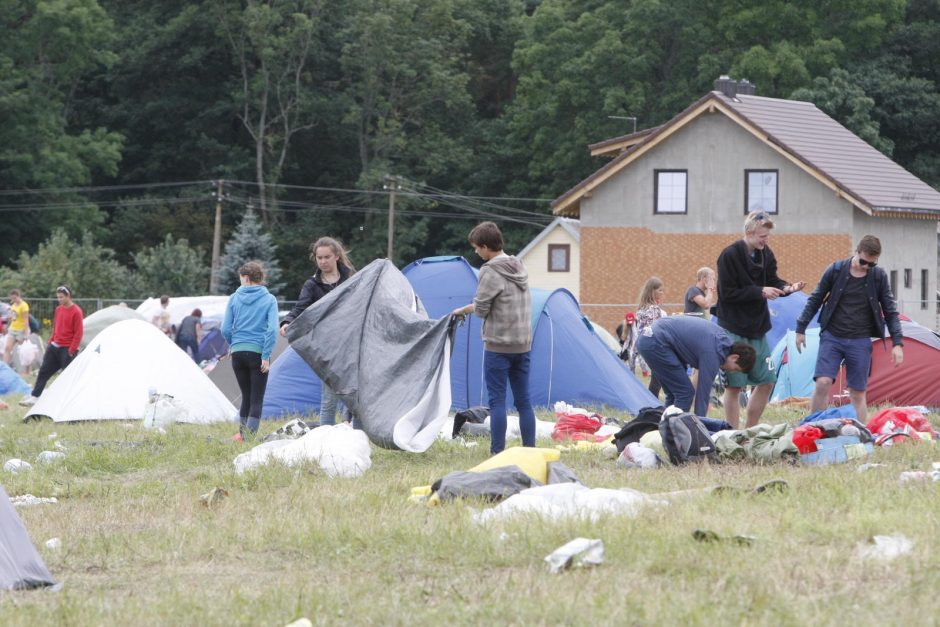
(726, 85)
(747, 88)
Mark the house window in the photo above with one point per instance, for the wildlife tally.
(923, 289)
(760, 191)
(894, 283)
(907, 278)
(559, 257)
(671, 191)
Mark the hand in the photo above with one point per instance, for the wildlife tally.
(461, 312)
(795, 287)
(800, 342)
(772, 293)
(73, 353)
(283, 330)
(265, 365)
(897, 355)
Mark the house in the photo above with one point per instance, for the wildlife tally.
(553, 257)
(672, 197)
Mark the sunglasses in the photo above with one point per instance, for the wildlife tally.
(865, 262)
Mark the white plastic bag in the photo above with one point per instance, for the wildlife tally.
(162, 411)
(578, 552)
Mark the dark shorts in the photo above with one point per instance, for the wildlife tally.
(855, 352)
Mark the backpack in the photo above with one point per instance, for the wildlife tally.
(647, 419)
(34, 326)
(686, 439)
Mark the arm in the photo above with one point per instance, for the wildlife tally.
(227, 322)
(707, 369)
(270, 331)
(78, 328)
(307, 297)
(815, 300)
(489, 288)
(889, 309)
(198, 332)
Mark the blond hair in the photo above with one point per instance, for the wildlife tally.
(336, 246)
(647, 297)
(757, 219)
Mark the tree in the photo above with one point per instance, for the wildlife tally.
(172, 268)
(89, 270)
(46, 48)
(274, 42)
(249, 242)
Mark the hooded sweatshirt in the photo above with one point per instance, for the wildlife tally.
(250, 322)
(505, 305)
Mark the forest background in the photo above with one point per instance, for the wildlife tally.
(121, 117)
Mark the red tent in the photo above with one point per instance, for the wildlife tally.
(915, 382)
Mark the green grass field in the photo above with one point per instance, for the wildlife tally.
(139, 548)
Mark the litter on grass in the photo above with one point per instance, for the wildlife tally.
(16, 465)
(25, 500)
(213, 497)
(580, 552)
(47, 457)
(340, 451)
(884, 548)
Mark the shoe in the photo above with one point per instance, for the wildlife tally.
(28, 401)
(238, 438)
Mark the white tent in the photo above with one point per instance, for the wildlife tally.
(111, 380)
(212, 307)
(104, 318)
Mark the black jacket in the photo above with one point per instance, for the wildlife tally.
(742, 308)
(829, 291)
(313, 290)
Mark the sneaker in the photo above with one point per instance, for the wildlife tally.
(28, 401)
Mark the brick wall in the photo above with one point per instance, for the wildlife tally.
(616, 261)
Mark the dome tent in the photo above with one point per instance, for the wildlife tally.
(111, 380)
(569, 361)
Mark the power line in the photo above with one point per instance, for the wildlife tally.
(79, 190)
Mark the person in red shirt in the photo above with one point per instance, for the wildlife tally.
(67, 328)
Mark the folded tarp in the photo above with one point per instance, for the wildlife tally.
(372, 342)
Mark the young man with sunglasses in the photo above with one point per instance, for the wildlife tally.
(747, 279)
(856, 300)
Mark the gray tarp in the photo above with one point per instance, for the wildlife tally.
(21, 567)
(371, 341)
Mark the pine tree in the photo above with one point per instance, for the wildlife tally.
(248, 243)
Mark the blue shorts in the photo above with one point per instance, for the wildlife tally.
(855, 352)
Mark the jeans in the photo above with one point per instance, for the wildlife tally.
(191, 344)
(497, 369)
(56, 358)
(669, 370)
(328, 405)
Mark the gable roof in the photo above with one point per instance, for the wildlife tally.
(803, 134)
(571, 226)
(611, 147)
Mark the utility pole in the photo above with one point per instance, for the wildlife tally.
(391, 184)
(216, 239)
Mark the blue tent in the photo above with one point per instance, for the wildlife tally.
(783, 314)
(12, 383)
(212, 345)
(795, 369)
(569, 361)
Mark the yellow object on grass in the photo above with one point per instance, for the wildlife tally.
(533, 462)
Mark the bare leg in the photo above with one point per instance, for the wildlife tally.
(821, 395)
(860, 403)
(758, 401)
(732, 404)
(8, 350)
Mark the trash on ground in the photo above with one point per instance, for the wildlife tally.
(867, 467)
(54, 544)
(919, 475)
(47, 457)
(16, 465)
(569, 500)
(53, 435)
(300, 622)
(24, 500)
(213, 497)
(580, 552)
(885, 548)
(707, 535)
(340, 451)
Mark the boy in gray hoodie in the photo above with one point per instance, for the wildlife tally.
(503, 302)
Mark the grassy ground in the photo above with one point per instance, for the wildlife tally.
(138, 547)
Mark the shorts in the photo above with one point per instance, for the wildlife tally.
(763, 371)
(19, 336)
(854, 351)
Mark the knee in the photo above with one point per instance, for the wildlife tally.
(823, 384)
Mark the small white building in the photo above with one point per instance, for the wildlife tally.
(553, 257)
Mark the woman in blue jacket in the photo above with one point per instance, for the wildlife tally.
(249, 327)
